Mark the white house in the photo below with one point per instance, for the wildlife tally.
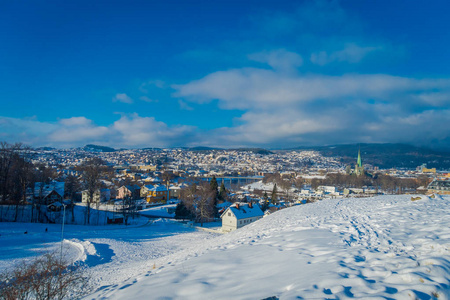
(240, 214)
(100, 195)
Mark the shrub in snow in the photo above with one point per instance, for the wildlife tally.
(46, 277)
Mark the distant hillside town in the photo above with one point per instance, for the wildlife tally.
(199, 184)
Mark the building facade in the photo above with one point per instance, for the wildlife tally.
(239, 215)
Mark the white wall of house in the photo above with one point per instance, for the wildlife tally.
(229, 221)
(85, 197)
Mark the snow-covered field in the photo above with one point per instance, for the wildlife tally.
(386, 247)
(159, 211)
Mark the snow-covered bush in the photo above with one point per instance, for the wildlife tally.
(46, 277)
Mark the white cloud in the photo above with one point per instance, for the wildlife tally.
(137, 131)
(286, 109)
(259, 89)
(129, 131)
(352, 53)
(280, 59)
(77, 129)
(124, 98)
(76, 121)
(147, 99)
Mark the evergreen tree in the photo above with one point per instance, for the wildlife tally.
(274, 194)
(222, 192)
(265, 205)
(182, 212)
(214, 185)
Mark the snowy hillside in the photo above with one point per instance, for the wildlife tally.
(383, 247)
(387, 247)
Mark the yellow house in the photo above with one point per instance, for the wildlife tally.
(158, 194)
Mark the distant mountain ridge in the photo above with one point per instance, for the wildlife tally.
(97, 148)
(387, 155)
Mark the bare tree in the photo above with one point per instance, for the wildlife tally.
(15, 175)
(199, 200)
(7, 153)
(43, 175)
(285, 185)
(129, 208)
(72, 185)
(91, 175)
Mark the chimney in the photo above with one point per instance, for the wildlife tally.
(250, 205)
(237, 205)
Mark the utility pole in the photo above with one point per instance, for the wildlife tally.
(62, 231)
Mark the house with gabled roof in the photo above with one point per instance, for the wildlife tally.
(145, 190)
(158, 194)
(49, 193)
(239, 215)
(133, 191)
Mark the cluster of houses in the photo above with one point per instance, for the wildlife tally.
(233, 216)
(152, 193)
(52, 194)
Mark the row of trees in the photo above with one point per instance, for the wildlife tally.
(18, 178)
(377, 181)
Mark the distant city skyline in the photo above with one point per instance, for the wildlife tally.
(271, 74)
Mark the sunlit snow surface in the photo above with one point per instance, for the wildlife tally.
(386, 247)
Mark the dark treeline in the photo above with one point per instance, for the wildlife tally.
(19, 177)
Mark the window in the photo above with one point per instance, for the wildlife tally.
(229, 214)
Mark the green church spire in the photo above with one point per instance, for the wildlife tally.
(359, 158)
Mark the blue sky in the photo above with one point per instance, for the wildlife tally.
(224, 73)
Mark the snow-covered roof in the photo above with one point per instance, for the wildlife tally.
(149, 186)
(244, 211)
(48, 188)
(159, 188)
(133, 187)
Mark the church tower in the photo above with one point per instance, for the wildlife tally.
(359, 158)
(359, 169)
